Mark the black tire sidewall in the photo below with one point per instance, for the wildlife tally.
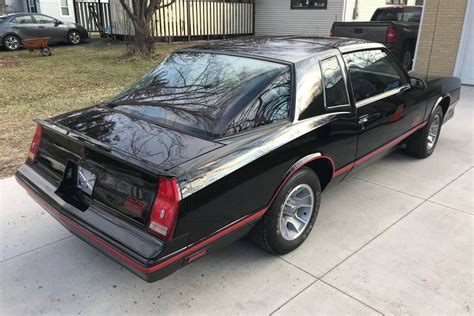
(278, 243)
(69, 37)
(437, 112)
(5, 40)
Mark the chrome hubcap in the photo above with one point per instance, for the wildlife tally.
(74, 37)
(12, 42)
(296, 212)
(433, 132)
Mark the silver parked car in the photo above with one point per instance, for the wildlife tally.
(20, 26)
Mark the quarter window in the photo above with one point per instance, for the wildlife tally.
(372, 72)
(42, 19)
(335, 91)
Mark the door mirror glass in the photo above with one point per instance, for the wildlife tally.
(417, 83)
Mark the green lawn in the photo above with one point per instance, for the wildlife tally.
(41, 87)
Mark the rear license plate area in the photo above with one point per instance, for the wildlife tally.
(77, 187)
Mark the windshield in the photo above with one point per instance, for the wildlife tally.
(397, 15)
(199, 92)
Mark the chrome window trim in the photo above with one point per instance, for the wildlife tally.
(381, 96)
(323, 83)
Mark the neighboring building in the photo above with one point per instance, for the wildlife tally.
(15, 5)
(445, 45)
(313, 17)
(362, 10)
(60, 9)
(297, 17)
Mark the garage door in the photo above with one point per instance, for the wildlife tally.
(465, 61)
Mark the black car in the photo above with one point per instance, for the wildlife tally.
(226, 139)
(20, 26)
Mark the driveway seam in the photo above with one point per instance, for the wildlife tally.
(389, 188)
(293, 297)
(35, 249)
(451, 208)
(423, 201)
(354, 298)
(394, 223)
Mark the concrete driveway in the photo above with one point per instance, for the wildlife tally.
(396, 238)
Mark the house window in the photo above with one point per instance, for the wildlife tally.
(64, 8)
(404, 2)
(309, 4)
(32, 6)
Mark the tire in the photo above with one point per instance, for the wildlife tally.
(11, 42)
(270, 234)
(46, 51)
(74, 37)
(423, 143)
(406, 58)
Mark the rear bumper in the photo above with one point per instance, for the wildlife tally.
(137, 251)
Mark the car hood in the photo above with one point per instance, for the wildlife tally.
(161, 146)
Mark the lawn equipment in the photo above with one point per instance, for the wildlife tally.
(39, 44)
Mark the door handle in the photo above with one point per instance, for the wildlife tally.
(41, 27)
(363, 119)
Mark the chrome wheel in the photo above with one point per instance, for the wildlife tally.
(433, 132)
(74, 37)
(12, 42)
(296, 212)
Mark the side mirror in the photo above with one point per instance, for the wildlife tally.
(56, 23)
(417, 83)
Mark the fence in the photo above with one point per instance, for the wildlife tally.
(85, 9)
(192, 18)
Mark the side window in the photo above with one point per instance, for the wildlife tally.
(372, 72)
(335, 92)
(42, 19)
(271, 106)
(24, 19)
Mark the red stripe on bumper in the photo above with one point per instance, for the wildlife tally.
(124, 258)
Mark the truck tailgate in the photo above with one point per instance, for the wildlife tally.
(372, 31)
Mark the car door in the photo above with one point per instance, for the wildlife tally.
(24, 26)
(49, 27)
(387, 107)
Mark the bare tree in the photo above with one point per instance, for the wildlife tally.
(141, 13)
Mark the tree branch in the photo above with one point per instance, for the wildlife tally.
(127, 9)
(155, 5)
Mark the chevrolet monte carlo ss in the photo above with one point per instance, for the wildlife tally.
(226, 139)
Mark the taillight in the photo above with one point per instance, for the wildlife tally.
(391, 35)
(331, 33)
(164, 213)
(35, 143)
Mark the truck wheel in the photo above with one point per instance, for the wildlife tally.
(291, 217)
(423, 142)
(406, 58)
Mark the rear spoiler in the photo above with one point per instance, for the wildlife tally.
(121, 156)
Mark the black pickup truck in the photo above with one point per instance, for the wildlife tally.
(396, 27)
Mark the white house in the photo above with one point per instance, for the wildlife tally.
(313, 17)
(60, 9)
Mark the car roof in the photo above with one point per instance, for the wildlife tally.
(283, 48)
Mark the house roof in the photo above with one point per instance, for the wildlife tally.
(284, 48)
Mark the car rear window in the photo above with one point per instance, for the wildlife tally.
(397, 15)
(207, 93)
